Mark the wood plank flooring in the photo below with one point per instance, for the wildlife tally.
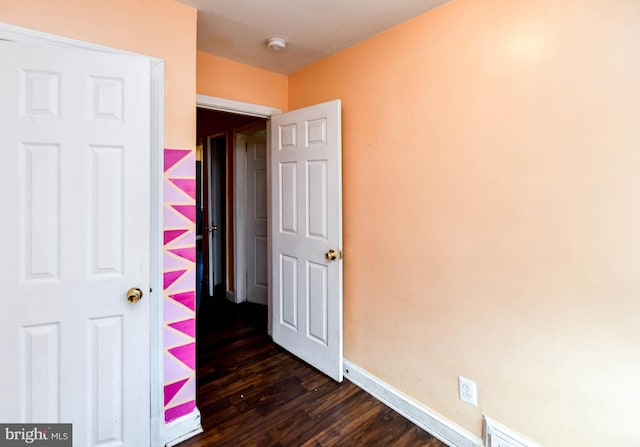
(253, 393)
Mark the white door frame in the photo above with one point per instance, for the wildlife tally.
(239, 187)
(25, 35)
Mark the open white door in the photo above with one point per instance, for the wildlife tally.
(74, 186)
(306, 230)
(257, 254)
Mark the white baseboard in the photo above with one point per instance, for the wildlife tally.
(231, 296)
(425, 418)
(183, 428)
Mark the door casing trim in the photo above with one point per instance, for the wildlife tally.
(239, 107)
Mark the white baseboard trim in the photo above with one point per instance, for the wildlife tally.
(231, 296)
(183, 428)
(425, 418)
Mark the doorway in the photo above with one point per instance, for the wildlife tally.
(309, 139)
(223, 205)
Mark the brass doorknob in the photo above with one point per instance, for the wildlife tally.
(134, 295)
(331, 255)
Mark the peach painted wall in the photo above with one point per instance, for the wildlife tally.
(501, 144)
(232, 80)
(159, 28)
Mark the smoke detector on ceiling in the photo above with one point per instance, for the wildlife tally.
(276, 43)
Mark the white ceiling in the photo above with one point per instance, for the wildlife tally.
(237, 29)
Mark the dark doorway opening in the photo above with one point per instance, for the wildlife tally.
(215, 205)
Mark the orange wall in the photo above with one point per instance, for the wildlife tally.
(501, 142)
(232, 80)
(159, 28)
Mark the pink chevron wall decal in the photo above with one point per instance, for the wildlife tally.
(186, 253)
(172, 262)
(188, 211)
(171, 277)
(180, 410)
(187, 299)
(179, 282)
(172, 389)
(174, 338)
(186, 393)
(186, 354)
(187, 327)
(170, 235)
(174, 370)
(173, 194)
(175, 312)
(184, 169)
(186, 282)
(173, 219)
(186, 185)
(173, 156)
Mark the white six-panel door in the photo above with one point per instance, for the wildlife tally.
(257, 254)
(306, 224)
(74, 233)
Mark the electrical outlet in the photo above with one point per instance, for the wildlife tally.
(467, 391)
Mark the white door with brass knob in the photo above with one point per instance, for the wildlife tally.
(306, 232)
(74, 187)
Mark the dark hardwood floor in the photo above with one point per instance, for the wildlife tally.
(253, 393)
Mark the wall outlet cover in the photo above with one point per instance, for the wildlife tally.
(467, 391)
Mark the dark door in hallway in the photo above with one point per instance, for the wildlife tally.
(215, 216)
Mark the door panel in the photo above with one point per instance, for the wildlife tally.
(41, 353)
(306, 195)
(74, 184)
(257, 254)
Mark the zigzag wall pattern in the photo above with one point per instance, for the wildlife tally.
(179, 282)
